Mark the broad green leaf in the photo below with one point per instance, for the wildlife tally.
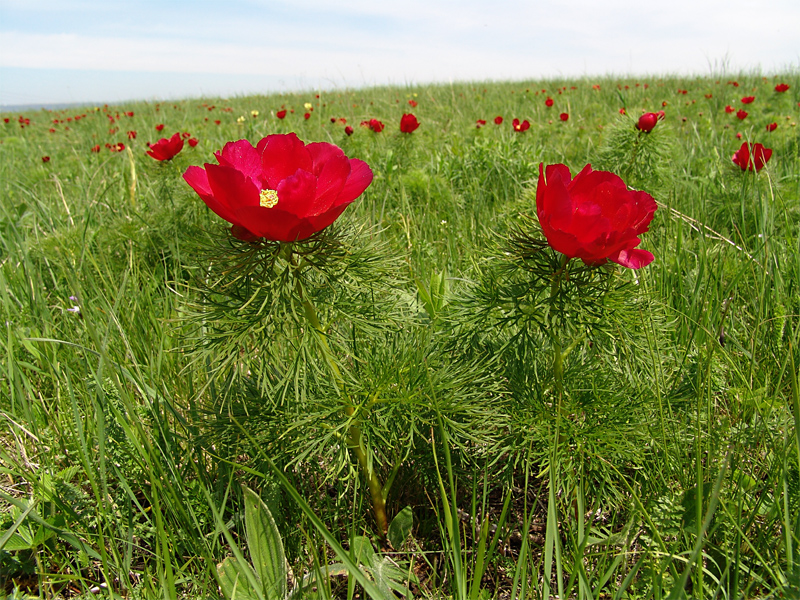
(400, 527)
(234, 582)
(362, 551)
(265, 545)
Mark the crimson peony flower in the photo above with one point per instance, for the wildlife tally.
(498, 120)
(593, 216)
(524, 126)
(752, 157)
(281, 190)
(96, 148)
(622, 111)
(748, 99)
(408, 123)
(412, 103)
(166, 149)
(348, 130)
(564, 117)
(281, 114)
(729, 109)
(192, 142)
(741, 114)
(374, 124)
(772, 127)
(160, 127)
(45, 159)
(781, 87)
(306, 116)
(548, 102)
(131, 135)
(480, 123)
(647, 122)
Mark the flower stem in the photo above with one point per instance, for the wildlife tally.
(355, 438)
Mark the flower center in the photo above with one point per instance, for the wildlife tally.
(268, 198)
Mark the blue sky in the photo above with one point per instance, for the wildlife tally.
(58, 51)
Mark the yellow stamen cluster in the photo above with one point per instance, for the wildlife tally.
(268, 198)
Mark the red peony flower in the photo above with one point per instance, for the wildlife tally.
(741, 114)
(524, 126)
(412, 103)
(375, 125)
(564, 117)
(498, 120)
(748, 99)
(192, 142)
(45, 159)
(160, 127)
(594, 216)
(729, 109)
(622, 111)
(96, 148)
(408, 123)
(348, 130)
(647, 122)
(548, 102)
(306, 116)
(480, 123)
(131, 135)
(739, 136)
(281, 114)
(166, 149)
(281, 190)
(752, 157)
(772, 127)
(781, 87)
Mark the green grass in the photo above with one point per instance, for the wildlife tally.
(668, 468)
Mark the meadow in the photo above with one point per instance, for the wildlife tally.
(423, 399)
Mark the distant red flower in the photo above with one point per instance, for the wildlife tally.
(752, 157)
(282, 190)
(741, 114)
(664, 104)
(480, 123)
(709, 96)
(166, 149)
(596, 86)
(739, 136)
(51, 130)
(6, 120)
(647, 122)
(661, 115)
(729, 109)
(564, 117)
(781, 87)
(593, 216)
(412, 103)
(96, 148)
(408, 123)
(374, 125)
(333, 119)
(186, 135)
(498, 120)
(129, 113)
(520, 127)
(772, 127)
(45, 159)
(217, 121)
(192, 142)
(306, 116)
(348, 130)
(748, 99)
(131, 135)
(548, 102)
(622, 111)
(281, 114)
(160, 127)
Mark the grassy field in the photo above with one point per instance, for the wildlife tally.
(638, 438)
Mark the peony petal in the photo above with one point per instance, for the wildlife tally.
(231, 188)
(322, 221)
(197, 178)
(321, 153)
(358, 181)
(296, 193)
(554, 205)
(330, 182)
(281, 156)
(241, 156)
(634, 258)
(271, 223)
